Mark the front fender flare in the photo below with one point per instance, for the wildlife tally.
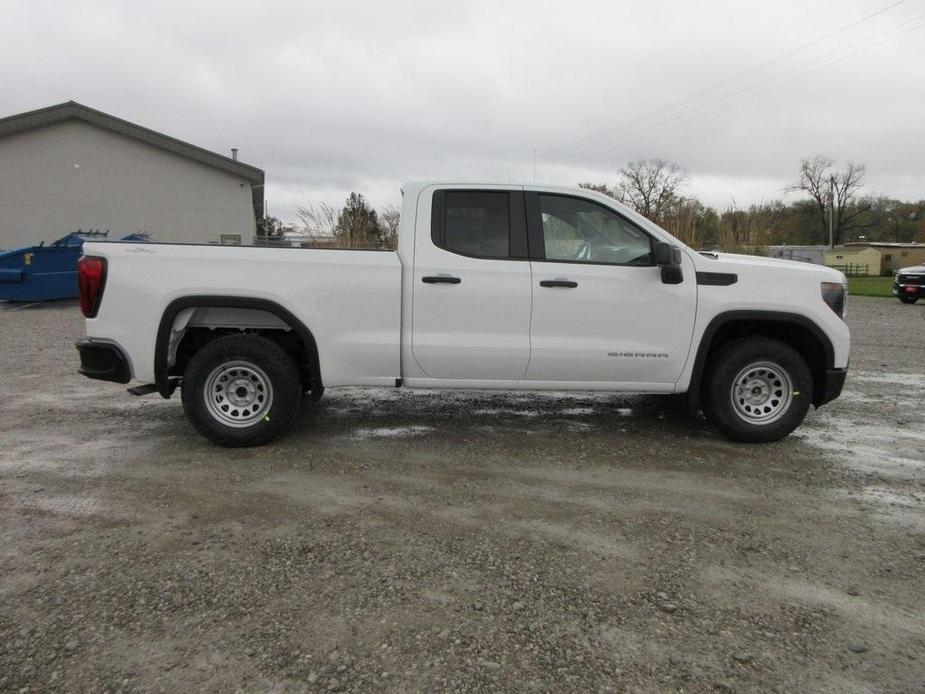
(721, 319)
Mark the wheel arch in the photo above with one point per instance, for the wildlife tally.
(162, 379)
(794, 329)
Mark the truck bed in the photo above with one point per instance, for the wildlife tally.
(349, 299)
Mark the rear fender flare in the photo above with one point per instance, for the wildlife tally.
(165, 329)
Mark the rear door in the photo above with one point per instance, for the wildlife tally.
(600, 309)
(471, 289)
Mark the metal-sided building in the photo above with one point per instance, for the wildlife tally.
(855, 261)
(895, 255)
(71, 167)
(806, 254)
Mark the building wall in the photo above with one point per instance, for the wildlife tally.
(806, 254)
(72, 175)
(840, 257)
(901, 257)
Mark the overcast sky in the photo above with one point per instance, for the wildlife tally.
(334, 96)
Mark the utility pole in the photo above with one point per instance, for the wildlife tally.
(534, 166)
(831, 211)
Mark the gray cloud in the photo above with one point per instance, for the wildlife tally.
(332, 97)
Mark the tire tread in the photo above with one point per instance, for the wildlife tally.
(722, 368)
(279, 367)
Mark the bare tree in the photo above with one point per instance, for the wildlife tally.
(389, 219)
(318, 220)
(599, 188)
(688, 220)
(650, 186)
(817, 179)
(749, 230)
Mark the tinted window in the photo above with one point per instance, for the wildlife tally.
(582, 231)
(477, 223)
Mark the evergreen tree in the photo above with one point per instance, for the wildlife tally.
(358, 224)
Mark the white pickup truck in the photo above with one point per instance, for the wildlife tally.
(492, 287)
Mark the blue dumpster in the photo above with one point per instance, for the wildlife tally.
(43, 273)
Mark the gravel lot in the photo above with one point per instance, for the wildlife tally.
(414, 541)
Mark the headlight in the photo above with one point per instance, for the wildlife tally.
(834, 294)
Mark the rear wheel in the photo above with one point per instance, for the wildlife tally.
(758, 389)
(241, 390)
(907, 299)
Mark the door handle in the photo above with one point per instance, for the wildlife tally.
(440, 279)
(567, 284)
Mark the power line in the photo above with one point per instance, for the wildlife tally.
(686, 117)
(750, 87)
(731, 80)
(815, 69)
(735, 78)
(564, 152)
(919, 25)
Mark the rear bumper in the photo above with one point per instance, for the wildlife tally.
(832, 384)
(103, 361)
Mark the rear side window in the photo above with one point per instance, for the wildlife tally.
(476, 223)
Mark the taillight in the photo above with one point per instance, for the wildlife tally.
(91, 280)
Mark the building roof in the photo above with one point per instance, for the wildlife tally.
(799, 247)
(71, 110)
(852, 249)
(886, 244)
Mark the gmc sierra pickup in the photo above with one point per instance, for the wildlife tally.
(492, 287)
(909, 284)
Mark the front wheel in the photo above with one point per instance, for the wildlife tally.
(758, 389)
(907, 299)
(241, 390)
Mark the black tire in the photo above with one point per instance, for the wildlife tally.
(906, 299)
(258, 398)
(761, 409)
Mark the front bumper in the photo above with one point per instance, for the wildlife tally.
(103, 361)
(909, 289)
(832, 384)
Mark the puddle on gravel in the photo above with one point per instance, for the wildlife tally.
(576, 412)
(391, 432)
(63, 505)
(892, 379)
(506, 412)
(867, 441)
(870, 611)
(893, 497)
(900, 507)
(880, 435)
(868, 448)
(854, 396)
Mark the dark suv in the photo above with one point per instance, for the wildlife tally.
(909, 284)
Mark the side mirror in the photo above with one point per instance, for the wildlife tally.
(668, 258)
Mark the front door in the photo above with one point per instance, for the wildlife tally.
(471, 288)
(600, 309)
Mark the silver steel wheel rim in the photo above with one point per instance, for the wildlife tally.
(762, 392)
(238, 394)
